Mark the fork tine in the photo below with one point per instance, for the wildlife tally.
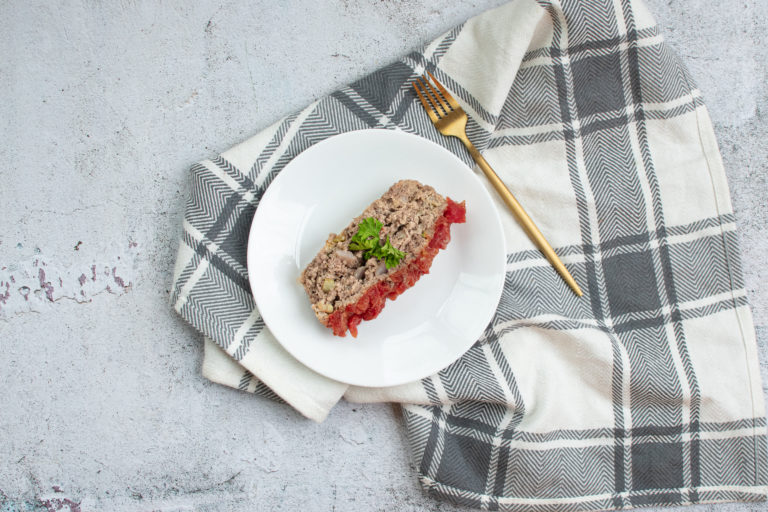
(446, 108)
(451, 101)
(432, 116)
(436, 107)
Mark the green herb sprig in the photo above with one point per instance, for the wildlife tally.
(367, 240)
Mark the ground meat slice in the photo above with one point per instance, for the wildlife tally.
(345, 288)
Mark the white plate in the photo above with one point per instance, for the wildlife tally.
(430, 325)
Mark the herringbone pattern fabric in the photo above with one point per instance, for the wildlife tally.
(646, 391)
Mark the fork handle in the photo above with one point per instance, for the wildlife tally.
(522, 217)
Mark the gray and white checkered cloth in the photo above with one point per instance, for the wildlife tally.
(646, 391)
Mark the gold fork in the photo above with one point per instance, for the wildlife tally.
(450, 120)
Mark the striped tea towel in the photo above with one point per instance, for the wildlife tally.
(646, 391)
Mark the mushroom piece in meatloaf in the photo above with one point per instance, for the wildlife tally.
(379, 255)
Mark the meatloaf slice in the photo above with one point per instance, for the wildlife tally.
(347, 284)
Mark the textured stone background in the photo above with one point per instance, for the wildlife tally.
(105, 105)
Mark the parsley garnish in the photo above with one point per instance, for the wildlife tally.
(389, 254)
(367, 240)
(367, 236)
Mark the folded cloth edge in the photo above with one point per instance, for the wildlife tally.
(272, 364)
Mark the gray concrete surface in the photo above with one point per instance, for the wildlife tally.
(104, 105)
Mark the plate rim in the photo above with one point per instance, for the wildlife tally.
(395, 133)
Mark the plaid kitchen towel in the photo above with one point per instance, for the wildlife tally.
(646, 391)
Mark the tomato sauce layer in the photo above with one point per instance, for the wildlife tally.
(373, 300)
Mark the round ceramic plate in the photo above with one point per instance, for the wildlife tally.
(430, 325)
